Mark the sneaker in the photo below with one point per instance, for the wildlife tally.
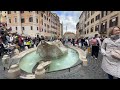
(95, 58)
(91, 56)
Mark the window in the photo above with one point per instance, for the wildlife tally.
(49, 20)
(21, 11)
(92, 20)
(88, 14)
(44, 17)
(47, 26)
(31, 28)
(23, 28)
(44, 24)
(97, 17)
(87, 30)
(16, 28)
(41, 15)
(92, 29)
(106, 12)
(31, 19)
(113, 22)
(103, 27)
(15, 19)
(37, 12)
(87, 23)
(45, 30)
(97, 28)
(37, 28)
(9, 20)
(92, 12)
(9, 12)
(102, 13)
(36, 20)
(22, 20)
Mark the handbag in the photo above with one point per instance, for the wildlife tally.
(115, 54)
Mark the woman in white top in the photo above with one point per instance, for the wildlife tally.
(11, 38)
(110, 64)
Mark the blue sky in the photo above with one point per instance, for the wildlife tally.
(69, 19)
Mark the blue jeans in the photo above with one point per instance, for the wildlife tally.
(111, 77)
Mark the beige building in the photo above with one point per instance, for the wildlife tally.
(77, 30)
(98, 22)
(69, 35)
(3, 16)
(61, 30)
(81, 24)
(108, 20)
(91, 23)
(32, 23)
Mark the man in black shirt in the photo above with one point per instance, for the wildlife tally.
(38, 39)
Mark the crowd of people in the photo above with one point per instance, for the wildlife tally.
(109, 47)
(11, 41)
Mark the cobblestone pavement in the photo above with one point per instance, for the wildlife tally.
(92, 71)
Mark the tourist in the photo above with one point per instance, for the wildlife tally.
(7, 39)
(73, 41)
(82, 42)
(1, 47)
(20, 42)
(96, 43)
(11, 38)
(86, 43)
(111, 62)
(38, 39)
(3, 37)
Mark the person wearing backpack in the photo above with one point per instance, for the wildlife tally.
(96, 43)
(111, 54)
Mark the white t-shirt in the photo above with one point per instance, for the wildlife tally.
(11, 39)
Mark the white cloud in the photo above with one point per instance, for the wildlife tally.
(69, 19)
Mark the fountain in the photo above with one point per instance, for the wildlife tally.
(47, 57)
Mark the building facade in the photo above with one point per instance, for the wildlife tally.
(3, 16)
(81, 24)
(32, 23)
(98, 22)
(77, 30)
(69, 35)
(108, 20)
(61, 30)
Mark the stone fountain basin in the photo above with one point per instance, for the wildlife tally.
(16, 59)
